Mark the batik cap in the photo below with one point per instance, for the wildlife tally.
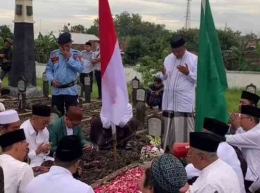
(168, 173)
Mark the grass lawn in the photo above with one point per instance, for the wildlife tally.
(232, 95)
(94, 91)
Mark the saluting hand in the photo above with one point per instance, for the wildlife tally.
(184, 69)
(65, 52)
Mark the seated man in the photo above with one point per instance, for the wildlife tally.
(216, 175)
(60, 177)
(225, 151)
(17, 174)
(247, 98)
(166, 175)
(9, 121)
(155, 93)
(247, 138)
(101, 134)
(68, 125)
(37, 135)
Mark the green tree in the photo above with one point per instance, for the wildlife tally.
(78, 29)
(94, 29)
(44, 45)
(5, 32)
(228, 38)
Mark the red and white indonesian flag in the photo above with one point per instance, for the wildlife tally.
(114, 88)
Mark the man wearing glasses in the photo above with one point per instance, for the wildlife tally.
(247, 138)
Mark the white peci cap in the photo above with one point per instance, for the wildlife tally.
(9, 116)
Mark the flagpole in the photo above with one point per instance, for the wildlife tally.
(114, 140)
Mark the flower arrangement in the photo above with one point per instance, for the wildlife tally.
(152, 150)
(125, 183)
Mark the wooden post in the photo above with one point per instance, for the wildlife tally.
(45, 85)
(135, 86)
(87, 89)
(140, 106)
(114, 140)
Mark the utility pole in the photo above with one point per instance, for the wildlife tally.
(187, 17)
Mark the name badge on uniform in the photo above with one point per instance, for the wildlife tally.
(54, 59)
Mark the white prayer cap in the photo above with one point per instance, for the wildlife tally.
(9, 116)
(2, 107)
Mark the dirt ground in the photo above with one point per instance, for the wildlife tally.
(103, 160)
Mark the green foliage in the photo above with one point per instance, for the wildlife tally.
(44, 45)
(5, 32)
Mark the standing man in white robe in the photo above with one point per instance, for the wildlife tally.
(37, 135)
(17, 174)
(216, 175)
(225, 151)
(180, 75)
(248, 139)
(59, 179)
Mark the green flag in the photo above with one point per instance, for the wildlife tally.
(211, 74)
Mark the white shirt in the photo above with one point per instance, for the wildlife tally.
(34, 141)
(17, 174)
(127, 117)
(179, 89)
(249, 142)
(87, 60)
(57, 180)
(96, 55)
(217, 177)
(227, 154)
(69, 131)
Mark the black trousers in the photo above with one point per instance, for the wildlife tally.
(98, 79)
(82, 78)
(61, 101)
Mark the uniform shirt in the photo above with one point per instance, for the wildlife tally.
(217, 177)
(17, 174)
(64, 71)
(127, 117)
(179, 89)
(249, 142)
(87, 60)
(34, 141)
(57, 180)
(227, 154)
(96, 55)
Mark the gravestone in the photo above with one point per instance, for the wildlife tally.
(21, 87)
(251, 88)
(135, 86)
(140, 105)
(155, 126)
(23, 63)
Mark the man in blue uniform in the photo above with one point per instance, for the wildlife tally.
(62, 69)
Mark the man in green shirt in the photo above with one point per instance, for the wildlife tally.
(68, 125)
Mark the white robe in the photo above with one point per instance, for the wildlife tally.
(249, 142)
(34, 141)
(125, 119)
(217, 177)
(17, 174)
(227, 154)
(179, 89)
(57, 180)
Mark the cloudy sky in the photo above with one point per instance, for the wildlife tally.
(51, 15)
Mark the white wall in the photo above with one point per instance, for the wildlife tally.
(236, 79)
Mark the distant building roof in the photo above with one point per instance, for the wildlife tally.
(78, 38)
